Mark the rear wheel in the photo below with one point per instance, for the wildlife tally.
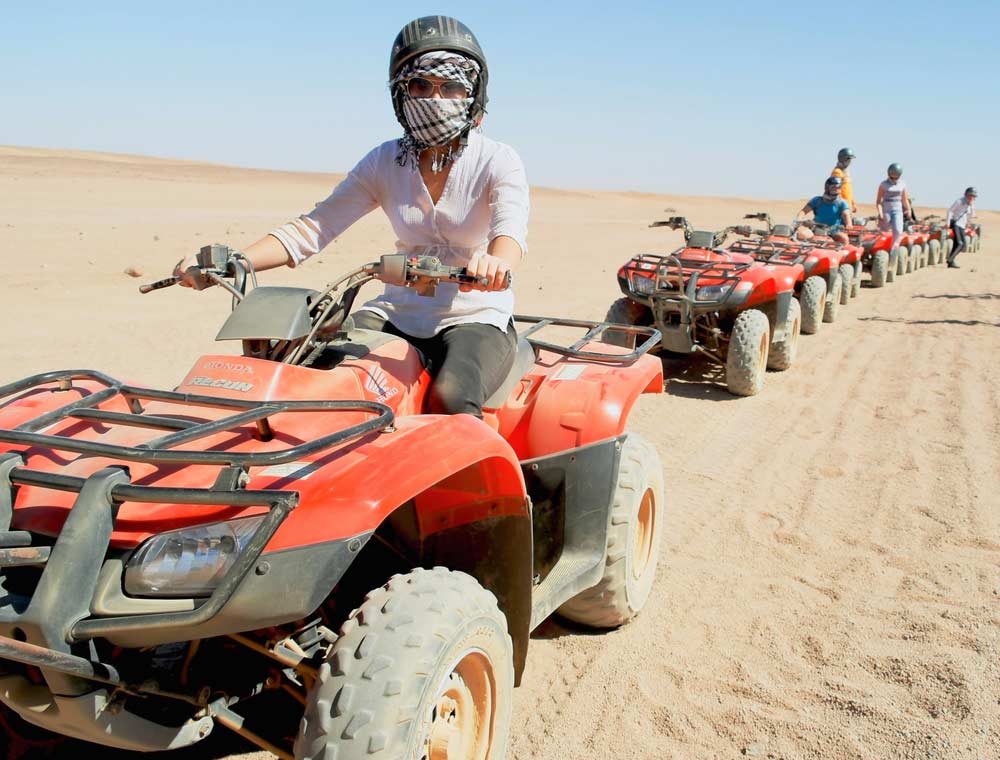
(847, 277)
(950, 247)
(633, 542)
(423, 669)
(746, 359)
(833, 299)
(813, 301)
(782, 353)
(856, 282)
(625, 311)
(880, 268)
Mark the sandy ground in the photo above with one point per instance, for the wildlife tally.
(830, 580)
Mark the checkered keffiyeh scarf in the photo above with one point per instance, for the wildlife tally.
(433, 122)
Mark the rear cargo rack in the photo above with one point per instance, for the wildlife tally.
(595, 330)
(770, 252)
(161, 450)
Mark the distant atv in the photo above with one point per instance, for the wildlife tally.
(799, 263)
(937, 238)
(878, 257)
(917, 241)
(827, 259)
(288, 546)
(703, 299)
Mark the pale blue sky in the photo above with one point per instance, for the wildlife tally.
(708, 98)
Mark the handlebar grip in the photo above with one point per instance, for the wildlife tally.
(164, 283)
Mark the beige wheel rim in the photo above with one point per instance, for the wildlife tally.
(463, 714)
(645, 529)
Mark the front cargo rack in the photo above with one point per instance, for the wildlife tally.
(74, 559)
(676, 276)
(161, 450)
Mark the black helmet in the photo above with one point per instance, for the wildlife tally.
(430, 33)
(836, 182)
(844, 154)
(895, 168)
(971, 191)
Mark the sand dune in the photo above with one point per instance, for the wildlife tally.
(830, 581)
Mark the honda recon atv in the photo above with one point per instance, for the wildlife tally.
(724, 305)
(933, 228)
(830, 260)
(798, 262)
(878, 256)
(287, 546)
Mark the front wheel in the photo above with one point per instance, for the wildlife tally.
(833, 299)
(901, 259)
(746, 359)
(847, 277)
(633, 546)
(782, 353)
(423, 669)
(813, 301)
(880, 268)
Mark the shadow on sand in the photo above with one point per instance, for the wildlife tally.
(695, 376)
(964, 322)
(968, 296)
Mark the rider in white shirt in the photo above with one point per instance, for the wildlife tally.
(959, 214)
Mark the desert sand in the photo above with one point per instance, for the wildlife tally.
(829, 583)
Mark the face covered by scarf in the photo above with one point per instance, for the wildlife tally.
(435, 122)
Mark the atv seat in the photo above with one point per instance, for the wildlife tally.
(524, 360)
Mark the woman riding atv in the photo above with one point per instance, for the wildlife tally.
(449, 192)
(828, 209)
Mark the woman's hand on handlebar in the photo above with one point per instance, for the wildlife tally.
(495, 269)
(190, 275)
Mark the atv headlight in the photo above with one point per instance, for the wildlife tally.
(188, 562)
(711, 292)
(643, 285)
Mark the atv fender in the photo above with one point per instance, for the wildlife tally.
(584, 408)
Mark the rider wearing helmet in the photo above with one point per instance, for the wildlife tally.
(448, 191)
(844, 158)
(893, 203)
(829, 209)
(959, 214)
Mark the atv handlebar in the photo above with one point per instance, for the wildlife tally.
(217, 262)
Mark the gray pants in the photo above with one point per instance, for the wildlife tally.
(468, 362)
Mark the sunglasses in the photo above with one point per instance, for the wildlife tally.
(419, 87)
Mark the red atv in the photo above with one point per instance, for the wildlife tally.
(704, 299)
(827, 258)
(975, 235)
(935, 231)
(877, 257)
(287, 546)
(917, 242)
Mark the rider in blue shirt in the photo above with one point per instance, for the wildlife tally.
(830, 209)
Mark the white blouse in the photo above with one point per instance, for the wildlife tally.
(485, 196)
